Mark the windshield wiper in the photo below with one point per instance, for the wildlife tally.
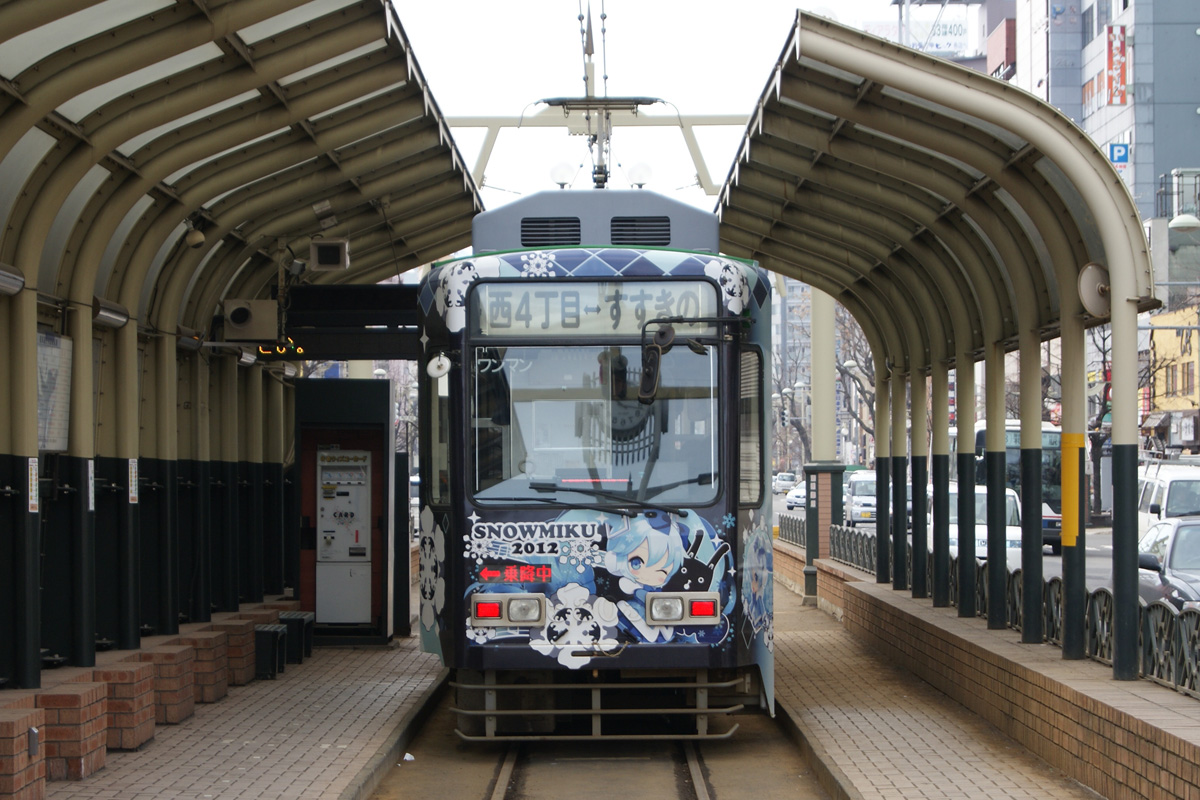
(557, 504)
(551, 486)
(703, 479)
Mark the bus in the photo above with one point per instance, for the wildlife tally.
(595, 544)
(1051, 471)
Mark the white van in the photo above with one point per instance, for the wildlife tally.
(783, 482)
(1166, 490)
(1012, 521)
(860, 497)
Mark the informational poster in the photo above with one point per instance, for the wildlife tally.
(33, 486)
(54, 391)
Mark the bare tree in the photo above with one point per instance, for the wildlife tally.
(1150, 367)
(792, 436)
(858, 382)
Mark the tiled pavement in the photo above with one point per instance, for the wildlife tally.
(318, 730)
(883, 733)
(325, 727)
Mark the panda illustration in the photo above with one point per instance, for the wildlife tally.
(734, 287)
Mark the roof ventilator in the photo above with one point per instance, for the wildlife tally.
(643, 231)
(550, 231)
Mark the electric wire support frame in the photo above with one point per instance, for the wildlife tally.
(596, 710)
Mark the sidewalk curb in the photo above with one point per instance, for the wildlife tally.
(373, 773)
(832, 779)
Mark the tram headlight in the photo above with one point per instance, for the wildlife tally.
(666, 609)
(506, 609)
(525, 609)
(684, 608)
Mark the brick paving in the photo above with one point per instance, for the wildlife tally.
(885, 733)
(324, 728)
(318, 730)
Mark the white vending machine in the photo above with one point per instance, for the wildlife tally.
(343, 536)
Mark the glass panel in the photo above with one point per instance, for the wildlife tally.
(863, 488)
(750, 443)
(1147, 498)
(1012, 512)
(1183, 499)
(563, 425)
(439, 454)
(1185, 554)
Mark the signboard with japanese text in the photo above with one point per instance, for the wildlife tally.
(1118, 156)
(1115, 66)
(576, 308)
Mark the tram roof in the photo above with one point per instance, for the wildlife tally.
(943, 208)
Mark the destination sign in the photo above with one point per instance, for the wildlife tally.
(515, 573)
(602, 308)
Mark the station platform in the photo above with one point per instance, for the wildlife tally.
(335, 724)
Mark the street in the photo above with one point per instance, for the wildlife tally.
(1097, 559)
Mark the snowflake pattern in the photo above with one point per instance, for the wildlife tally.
(432, 575)
(576, 621)
(729, 520)
(480, 549)
(538, 265)
(480, 635)
(580, 553)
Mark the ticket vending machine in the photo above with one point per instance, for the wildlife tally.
(343, 579)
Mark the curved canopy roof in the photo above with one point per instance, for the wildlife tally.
(945, 209)
(260, 123)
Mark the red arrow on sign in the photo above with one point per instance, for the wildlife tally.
(488, 574)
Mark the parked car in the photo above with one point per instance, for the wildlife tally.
(797, 496)
(782, 482)
(1167, 490)
(1169, 562)
(1012, 521)
(860, 497)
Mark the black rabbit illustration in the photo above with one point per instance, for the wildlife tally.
(693, 574)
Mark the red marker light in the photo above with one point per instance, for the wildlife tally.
(488, 610)
(704, 608)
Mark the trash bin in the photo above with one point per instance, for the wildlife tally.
(270, 650)
(300, 634)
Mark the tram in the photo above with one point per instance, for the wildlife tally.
(595, 543)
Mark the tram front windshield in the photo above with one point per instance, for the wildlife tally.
(563, 425)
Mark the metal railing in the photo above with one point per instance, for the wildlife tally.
(1169, 639)
(792, 530)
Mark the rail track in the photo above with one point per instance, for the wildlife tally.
(759, 761)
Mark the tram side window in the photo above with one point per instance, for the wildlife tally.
(750, 430)
(439, 490)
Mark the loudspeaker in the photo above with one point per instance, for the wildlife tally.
(251, 320)
(329, 255)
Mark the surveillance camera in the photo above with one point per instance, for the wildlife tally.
(194, 238)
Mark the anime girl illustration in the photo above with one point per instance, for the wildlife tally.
(642, 554)
(645, 555)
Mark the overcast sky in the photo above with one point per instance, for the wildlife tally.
(484, 57)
